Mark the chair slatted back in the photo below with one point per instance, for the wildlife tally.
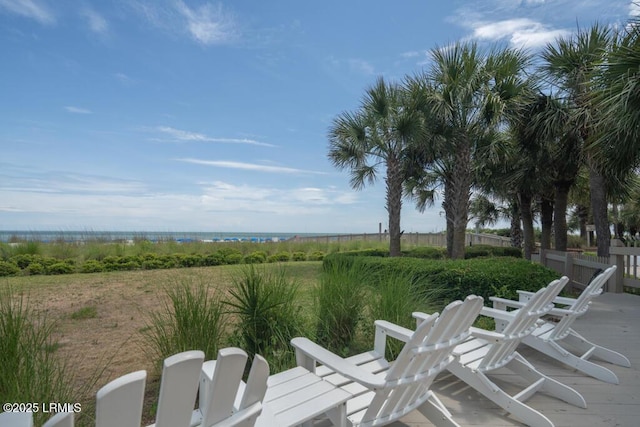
(523, 323)
(63, 419)
(119, 403)
(581, 304)
(426, 354)
(178, 389)
(224, 385)
(256, 383)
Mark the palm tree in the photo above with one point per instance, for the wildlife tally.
(378, 135)
(573, 64)
(466, 95)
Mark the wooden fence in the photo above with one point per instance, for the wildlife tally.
(580, 268)
(418, 239)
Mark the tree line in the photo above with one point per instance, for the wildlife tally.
(535, 132)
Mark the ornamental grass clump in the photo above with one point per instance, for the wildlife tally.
(191, 318)
(30, 371)
(266, 306)
(340, 301)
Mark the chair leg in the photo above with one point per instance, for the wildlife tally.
(434, 411)
(547, 385)
(484, 386)
(555, 351)
(578, 341)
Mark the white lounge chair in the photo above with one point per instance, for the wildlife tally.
(119, 403)
(178, 388)
(487, 351)
(225, 400)
(63, 419)
(383, 392)
(16, 419)
(549, 337)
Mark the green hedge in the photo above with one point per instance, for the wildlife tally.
(496, 276)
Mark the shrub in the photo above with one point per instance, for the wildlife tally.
(316, 256)
(486, 250)
(22, 260)
(279, 257)
(191, 319)
(35, 268)
(60, 268)
(234, 258)
(268, 316)
(426, 252)
(256, 257)
(92, 266)
(8, 269)
(299, 256)
(213, 259)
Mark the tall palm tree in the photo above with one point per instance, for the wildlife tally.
(573, 65)
(378, 136)
(466, 95)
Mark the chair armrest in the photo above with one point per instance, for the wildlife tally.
(564, 300)
(561, 312)
(497, 314)
(487, 335)
(395, 331)
(498, 303)
(308, 352)
(424, 317)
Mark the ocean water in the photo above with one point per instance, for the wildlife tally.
(154, 236)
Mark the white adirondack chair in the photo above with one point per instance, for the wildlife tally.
(63, 419)
(487, 351)
(383, 392)
(549, 336)
(178, 388)
(16, 419)
(119, 403)
(225, 400)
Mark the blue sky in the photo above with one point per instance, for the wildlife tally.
(179, 115)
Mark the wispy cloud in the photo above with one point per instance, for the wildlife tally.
(95, 21)
(207, 24)
(361, 66)
(354, 65)
(249, 166)
(521, 32)
(77, 110)
(124, 79)
(187, 136)
(32, 9)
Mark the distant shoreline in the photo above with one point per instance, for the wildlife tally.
(71, 236)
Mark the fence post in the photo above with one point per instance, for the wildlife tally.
(618, 278)
(568, 265)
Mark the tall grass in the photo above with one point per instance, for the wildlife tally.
(266, 306)
(394, 296)
(340, 301)
(29, 369)
(191, 318)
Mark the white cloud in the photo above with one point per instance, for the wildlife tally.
(521, 32)
(95, 21)
(187, 136)
(124, 79)
(30, 9)
(249, 166)
(77, 110)
(634, 8)
(208, 24)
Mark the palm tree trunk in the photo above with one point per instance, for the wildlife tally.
(560, 215)
(462, 179)
(546, 220)
(516, 228)
(599, 207)
(394, 205)
(527, 224)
